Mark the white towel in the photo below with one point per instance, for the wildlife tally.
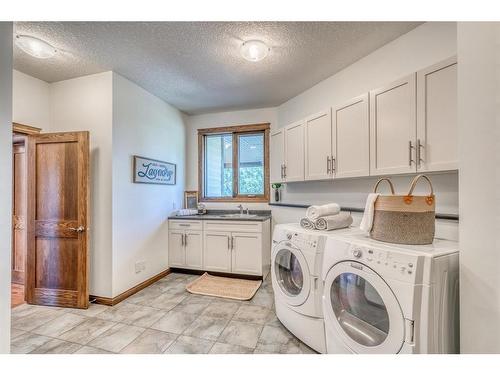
(367, 221)
(306, 223)
(315, 212)
(187, 212)
(341, 220)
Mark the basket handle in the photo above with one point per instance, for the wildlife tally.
(409, 197)
(388, 181)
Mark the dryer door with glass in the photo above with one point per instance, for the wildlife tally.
(362, 309)
(290, 274)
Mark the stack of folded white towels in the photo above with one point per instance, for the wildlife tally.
(326, 217)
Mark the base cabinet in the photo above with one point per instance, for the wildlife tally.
(185, 249)
(239, 247)
(244, 258)
(217, 251)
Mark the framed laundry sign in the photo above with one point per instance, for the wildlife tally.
(152, 171)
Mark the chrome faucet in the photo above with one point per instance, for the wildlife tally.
(241, 209)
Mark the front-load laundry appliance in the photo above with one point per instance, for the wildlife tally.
(296, 265)
(384, 298)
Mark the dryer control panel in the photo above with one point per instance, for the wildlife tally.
(391, 264)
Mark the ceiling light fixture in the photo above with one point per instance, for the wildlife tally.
(35, 47)
(254, 50)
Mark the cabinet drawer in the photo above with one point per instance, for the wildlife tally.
(232, 226)
(185, 224)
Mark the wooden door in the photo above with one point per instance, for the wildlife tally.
(217, 251)
(294, 152)
(19, 219)
(246, 253)
(176, 255)
(318, 146)
(193, 247)
(437, 126)
(351, 138)
(277, 151)
(58, 196)
(393, 128)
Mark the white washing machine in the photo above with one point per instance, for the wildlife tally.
(384, 298)
(296, 265)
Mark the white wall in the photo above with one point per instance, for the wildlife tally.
(5, 181)
(479, 142)
(147, 126)
(31, 98)
(421, 47)
(85, 103)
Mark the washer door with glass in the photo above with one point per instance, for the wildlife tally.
(363, 309)
(291, 274)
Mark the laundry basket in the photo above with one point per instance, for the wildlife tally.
(404, 219)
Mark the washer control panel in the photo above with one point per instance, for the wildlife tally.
(303, 241)
(390, 263)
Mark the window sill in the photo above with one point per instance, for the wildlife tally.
(237, 200)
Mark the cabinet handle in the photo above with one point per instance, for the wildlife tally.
(185, 240)
(333, 165)
(182, 239)
(282, 174)
(184, 225)
(229, 242)
(284, 170)
(232, 242)
(327, 165)
(419, 153)
(410, 159)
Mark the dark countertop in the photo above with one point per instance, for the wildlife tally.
(354, 209)
(261, 215)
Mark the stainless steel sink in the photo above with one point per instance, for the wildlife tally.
(243, 216)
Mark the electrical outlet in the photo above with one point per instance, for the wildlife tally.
(140, 266)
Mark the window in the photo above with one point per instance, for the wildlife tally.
(233, 163)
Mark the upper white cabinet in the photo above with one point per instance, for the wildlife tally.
(437, 133)
(277, 151)
(318, 146)
(351, 138)
(392, 127)
(407, 126)
(294, 152)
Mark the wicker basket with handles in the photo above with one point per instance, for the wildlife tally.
(404, 219)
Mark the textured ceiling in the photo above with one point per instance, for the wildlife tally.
(196, 66)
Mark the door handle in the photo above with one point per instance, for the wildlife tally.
(327, 165)
(185, 239)
(232, 243)
(79, 229)
(410, 159)
(229, 242)
(419, 152)
(182, 239)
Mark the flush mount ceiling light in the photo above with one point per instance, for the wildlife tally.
(254, 50)
(35, 47)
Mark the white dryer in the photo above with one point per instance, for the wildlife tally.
(296, 265)
(384, 298)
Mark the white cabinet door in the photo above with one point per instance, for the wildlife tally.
(318, 146)
(294, 152)
(351, 138)
(217, 251)
(247, 253)
(277, 151)
(393, 128)
(176, 255)
(437, 130)
(193, 248)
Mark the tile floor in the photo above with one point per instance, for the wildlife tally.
(162, 318)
